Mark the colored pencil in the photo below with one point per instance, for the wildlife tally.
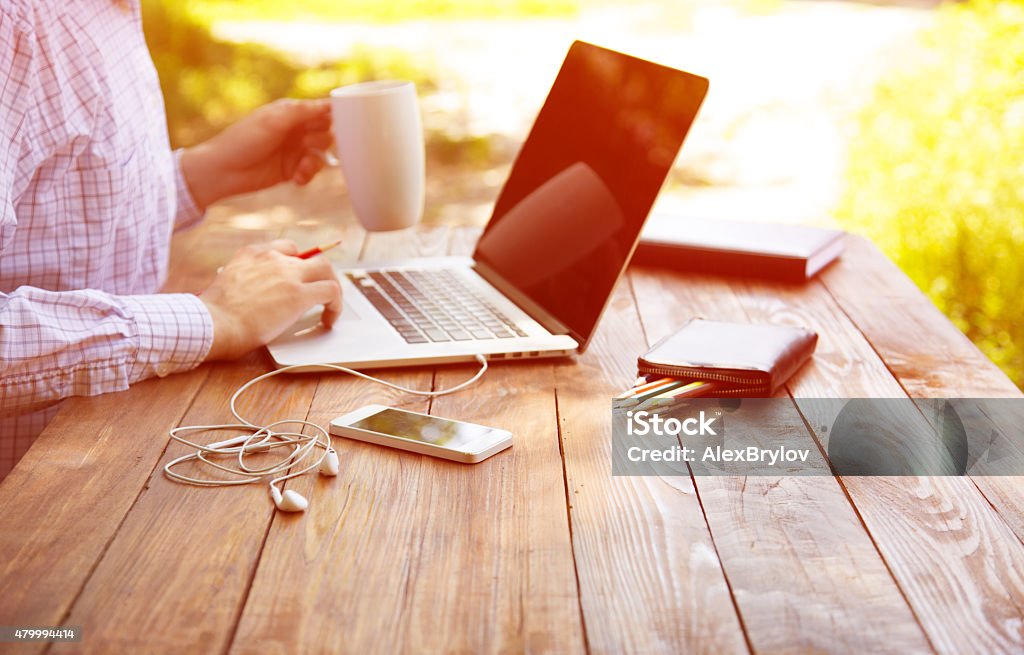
(313, 252)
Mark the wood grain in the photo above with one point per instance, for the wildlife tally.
(803, 569)
(926, 353)
(507, 520)
(528, 551)
(340, 578)
(650, 579)
(177, 571)
(956, 561)
(183, 541)
(179, 539)
(64, 502)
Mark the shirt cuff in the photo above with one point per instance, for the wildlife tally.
(175, 332)
(188, 212)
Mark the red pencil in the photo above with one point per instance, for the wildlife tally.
(313, 252)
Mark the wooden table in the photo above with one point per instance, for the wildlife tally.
(538, 549)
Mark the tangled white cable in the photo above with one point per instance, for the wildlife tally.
(264, 438)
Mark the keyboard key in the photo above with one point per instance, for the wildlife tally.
(436, 334)
(438, 304)
(381, 304)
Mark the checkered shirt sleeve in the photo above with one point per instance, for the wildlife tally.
(89, 195)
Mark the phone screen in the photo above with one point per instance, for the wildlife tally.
(417, 427)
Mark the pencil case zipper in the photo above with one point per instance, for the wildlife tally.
(703, 375)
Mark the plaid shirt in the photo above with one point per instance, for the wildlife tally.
(90, 193)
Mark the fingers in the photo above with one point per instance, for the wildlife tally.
(322, 287)
(313, 160)
(289, 113)
(317, 106)
(319, 123)
(304, 127)
(316, 269)
(318, 140)
(328, 294)
(307, 168)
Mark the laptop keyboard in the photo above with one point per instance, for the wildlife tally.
(433, 305)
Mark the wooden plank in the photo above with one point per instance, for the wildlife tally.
(505, 520)
(176, 573)
(956, 561)
(488, 535)
(650, 578)
(926, 353)
(804, 572)
(340, 577)
(179, 539)
(63, 503)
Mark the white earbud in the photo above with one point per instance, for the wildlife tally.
(330, 465)
(297, 446)
(289, 501)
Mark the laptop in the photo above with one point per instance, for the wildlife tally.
(561, 234)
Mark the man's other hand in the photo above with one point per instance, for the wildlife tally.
(284, 140)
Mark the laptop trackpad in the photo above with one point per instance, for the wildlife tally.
(310, 322)
(348, 313)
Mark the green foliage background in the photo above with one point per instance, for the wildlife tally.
(380, 10)
(936, 173)
(208, 84)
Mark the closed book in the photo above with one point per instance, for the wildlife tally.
(793, 253)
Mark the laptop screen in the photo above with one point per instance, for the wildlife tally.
(571, 211)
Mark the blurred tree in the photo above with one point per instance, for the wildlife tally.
(936, 173)
(208, 84)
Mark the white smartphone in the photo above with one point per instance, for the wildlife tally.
(421, 433)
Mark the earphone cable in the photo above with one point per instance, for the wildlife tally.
(263, 438)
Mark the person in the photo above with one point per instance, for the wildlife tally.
(90, 193)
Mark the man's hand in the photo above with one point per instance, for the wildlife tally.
(263, 290)
(282, 141)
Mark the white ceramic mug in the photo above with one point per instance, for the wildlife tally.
(378, 135)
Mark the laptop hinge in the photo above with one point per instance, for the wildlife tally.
(525, 303)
